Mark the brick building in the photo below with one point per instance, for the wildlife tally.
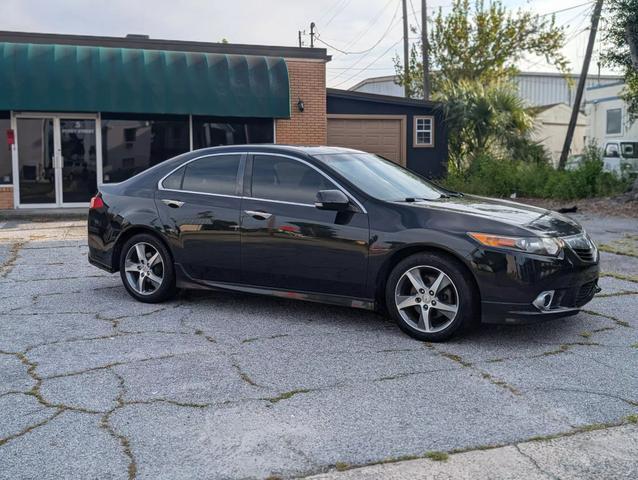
(79, 111)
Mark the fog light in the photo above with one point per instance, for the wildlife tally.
(544, 300)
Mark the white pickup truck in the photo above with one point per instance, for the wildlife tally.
(621, 157)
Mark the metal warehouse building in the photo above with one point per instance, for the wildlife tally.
(80, 111)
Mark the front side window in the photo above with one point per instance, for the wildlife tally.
(216, 174)
(614, 121)
(381, 178)
(287, 180)
(423, 131)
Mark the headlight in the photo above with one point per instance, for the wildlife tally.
(538, 245)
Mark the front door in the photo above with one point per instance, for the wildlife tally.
(57, 160)
(287, 243)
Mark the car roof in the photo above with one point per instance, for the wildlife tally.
(276, 148)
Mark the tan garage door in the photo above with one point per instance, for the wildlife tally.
(383, 134)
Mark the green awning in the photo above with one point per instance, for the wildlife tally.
(98, 79)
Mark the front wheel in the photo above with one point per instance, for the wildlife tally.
(147, 270)
(431, 296)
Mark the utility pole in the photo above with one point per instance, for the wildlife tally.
(406, 59)
(425, 50)
(312, 35)
(581, 84)
(300, 45)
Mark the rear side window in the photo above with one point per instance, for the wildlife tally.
(284, 179)
(216, 174)
(174, 180)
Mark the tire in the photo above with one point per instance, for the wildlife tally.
(452, 308)
(162, 269)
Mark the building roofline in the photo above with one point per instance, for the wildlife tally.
(383, 78)
(142, 42)
(373, 97)
(615, 84)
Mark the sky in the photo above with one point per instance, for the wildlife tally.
(369, 26)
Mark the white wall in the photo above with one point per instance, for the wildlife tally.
(597, 101)
(550, 128)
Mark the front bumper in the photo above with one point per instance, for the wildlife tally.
(510, 282)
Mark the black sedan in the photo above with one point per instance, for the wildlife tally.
(339, 226)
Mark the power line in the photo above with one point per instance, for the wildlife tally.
(339, 10)
(385, 33)
(416, 20)
(371, 63)
(361, 58)
(370, 25)
(566, 9)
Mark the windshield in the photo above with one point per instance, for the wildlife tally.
(381, 178)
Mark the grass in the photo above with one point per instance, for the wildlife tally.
(628, 246)
(437, 456)
(287, 395)
(342, 466)
(620, 276)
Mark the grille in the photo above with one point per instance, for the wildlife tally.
(585, 293)
(582, 246)
(585, 254)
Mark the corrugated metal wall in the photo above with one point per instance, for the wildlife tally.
(536, 88)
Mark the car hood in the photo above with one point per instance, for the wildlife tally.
(539, 220)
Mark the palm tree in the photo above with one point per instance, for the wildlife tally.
(482, 119)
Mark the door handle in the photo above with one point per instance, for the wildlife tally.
(173, 203)
(258, 215)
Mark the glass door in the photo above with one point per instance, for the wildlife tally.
(36, 161)
(78, 152)
(57, 159)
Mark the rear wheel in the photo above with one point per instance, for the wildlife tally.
(431, 297)
(147, 270)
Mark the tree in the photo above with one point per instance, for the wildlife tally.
(621, 50)
(484, 42)
(482, 119)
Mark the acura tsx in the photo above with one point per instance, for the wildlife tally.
(339, 226)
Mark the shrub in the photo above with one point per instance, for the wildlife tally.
(490, 176)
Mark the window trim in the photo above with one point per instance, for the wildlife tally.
(415, 143)
(620, 132)
(238, 182)
(337, 184)
(246, 157)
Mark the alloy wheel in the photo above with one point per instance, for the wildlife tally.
(144, 268)
(427, 299)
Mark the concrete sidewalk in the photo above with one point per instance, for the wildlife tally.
(604, 453)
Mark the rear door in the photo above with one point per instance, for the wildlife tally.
(289, 244)
(199, 208)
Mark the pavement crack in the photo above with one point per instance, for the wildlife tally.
(7, 266)
(289, 394)
(30, 428)
(535, 463)
(105, 424)
(617, 321)
(482, 373)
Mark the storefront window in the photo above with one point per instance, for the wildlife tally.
(131, 144)
(213, 131)
(5, 152)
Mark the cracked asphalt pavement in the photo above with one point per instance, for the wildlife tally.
(218, 385)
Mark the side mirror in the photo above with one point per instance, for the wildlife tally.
(332, 200)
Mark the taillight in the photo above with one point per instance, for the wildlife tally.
(96, 202)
